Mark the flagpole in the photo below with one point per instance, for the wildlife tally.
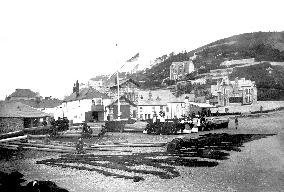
(118, 102)
(117, 76)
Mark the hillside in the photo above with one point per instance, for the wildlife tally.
(263, 46)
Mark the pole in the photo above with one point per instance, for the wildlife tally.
(117, 76)
(118, 102)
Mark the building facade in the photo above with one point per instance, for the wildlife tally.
(178, 70)
(85, 104)
(128, 109)
(127, 88)
(239, 91)
(151, 103)
(16, 116)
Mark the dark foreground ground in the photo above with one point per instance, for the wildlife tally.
(248, 159)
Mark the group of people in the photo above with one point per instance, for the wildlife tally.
(61, 124)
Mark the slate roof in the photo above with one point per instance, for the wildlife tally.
(161, 97)
(86, 93)
(121, 82)
(44, 103)
(23, 93)
(17, 109)
(123, 98)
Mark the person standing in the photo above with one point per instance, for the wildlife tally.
(236, 122)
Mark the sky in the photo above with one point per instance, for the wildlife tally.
(46, 46)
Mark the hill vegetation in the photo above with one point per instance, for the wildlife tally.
(263, 46)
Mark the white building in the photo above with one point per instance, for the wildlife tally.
(87, 105)
(153, 102)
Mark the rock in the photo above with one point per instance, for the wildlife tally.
(175, 145)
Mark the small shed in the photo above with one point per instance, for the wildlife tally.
(194, 107)
(128, 109)
(16, 116)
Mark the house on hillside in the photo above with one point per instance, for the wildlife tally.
(151, 103)
(239, 91)
(23, 94)
(16, 116)
(179, 70)
(85, 104)
(128, 109)
(127, 87)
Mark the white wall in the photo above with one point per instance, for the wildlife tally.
(176, 109)
(149, 109)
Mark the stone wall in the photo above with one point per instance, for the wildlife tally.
(8, 124)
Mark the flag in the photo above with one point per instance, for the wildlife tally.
(134, 70)
(134, 58)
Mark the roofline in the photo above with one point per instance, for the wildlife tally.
(151, 105)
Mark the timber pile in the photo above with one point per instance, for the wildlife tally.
(11, 134)
(15, 143)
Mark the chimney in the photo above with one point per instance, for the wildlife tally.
(77, 88)
(74, 88)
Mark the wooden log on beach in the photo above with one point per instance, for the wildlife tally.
(13, 139)
(11, 134)
(130, 145)
(43, 146)
(37, 136)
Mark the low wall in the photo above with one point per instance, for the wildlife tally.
(266, 106)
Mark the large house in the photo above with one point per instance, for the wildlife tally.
(16, 116)
(153, 102)
(85, 104)
(239, 91)
(178, 70)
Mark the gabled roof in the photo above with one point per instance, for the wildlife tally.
(124, 81)
(49, 103)
(86, 93)
(17, 109)
(23, 93)
(44, 103)
(161, 97)
(123, 98)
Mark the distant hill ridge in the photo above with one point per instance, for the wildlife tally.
(262, 46)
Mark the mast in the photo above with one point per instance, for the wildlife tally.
(117, 76)
(118, 102)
